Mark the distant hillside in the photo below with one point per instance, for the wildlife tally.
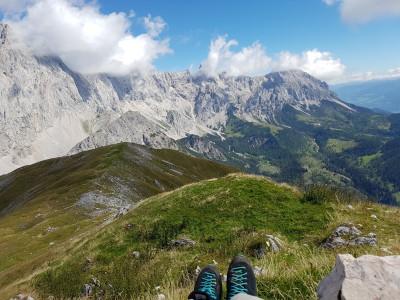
(49, 203)
(379, 95)
(133, 255)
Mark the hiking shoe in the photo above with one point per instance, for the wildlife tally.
(241, 278)
(208, 285)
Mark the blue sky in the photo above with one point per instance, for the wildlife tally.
(334, 40)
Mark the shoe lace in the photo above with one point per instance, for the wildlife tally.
(238, 282)
(208, 284)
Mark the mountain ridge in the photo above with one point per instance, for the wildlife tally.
(47, 109)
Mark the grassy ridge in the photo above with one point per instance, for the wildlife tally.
(221, 216)
(39, 215)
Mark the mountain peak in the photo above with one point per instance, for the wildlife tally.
(4, 28)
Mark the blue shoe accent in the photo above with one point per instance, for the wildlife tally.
(208, 283)
(238, 282)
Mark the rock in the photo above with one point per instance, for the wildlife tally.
(50, 298)
(88, 261)
(386, 250)
(363, 241)
(260, 251)
(50, 229)
(344, 236)
(136, 253)
(271, 244)
(87, 290)
(159, 185)
(157, 288)
(111, 287)
(343, 230)
(214, 262)
(350, 207)
(161, 297)
(258, 271)
(95, 281)
(198, 270)
(374, 217)
(182, 242)
(367, 277)
(51, 243)
(224, 278)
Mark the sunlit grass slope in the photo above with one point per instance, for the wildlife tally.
(39, 218)
(224, 217)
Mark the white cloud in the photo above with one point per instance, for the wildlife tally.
(363, 11)
(86, 40)
(154, 26)
(248, 61)
(365, 76)
(330, 2)
(322, 65)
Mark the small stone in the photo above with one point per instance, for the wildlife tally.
(111, 287)
(350, 207)
(87, 290)
(182, 242)
(386, 250)
(371, 235)
(50, 298)
(258, 271)
(157, 288)
(136, 253)
(374, 217)
(359, 225)
(260, 251)
(161, 297)
(305, 245)
(51, 243)
(198, 270)
(95, 281)
(215, 263)
(224, 278)
(369, 208)
(88, 261)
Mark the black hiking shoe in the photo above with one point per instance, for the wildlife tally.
(208, 285)
(241, 278)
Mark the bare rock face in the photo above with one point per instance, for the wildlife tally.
(47, 109)
(368, 277)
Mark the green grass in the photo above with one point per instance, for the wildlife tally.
(339, 146)
(367, 158)
(44, 195)
(220, 216)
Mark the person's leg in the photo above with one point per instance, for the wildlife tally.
(241, 279)
(208, 285)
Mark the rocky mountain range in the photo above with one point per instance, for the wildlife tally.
(48, 110)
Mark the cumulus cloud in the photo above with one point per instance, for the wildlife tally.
(86, 40)
(248, 61)
(363, 11)
(254, 60)
(319, 64)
